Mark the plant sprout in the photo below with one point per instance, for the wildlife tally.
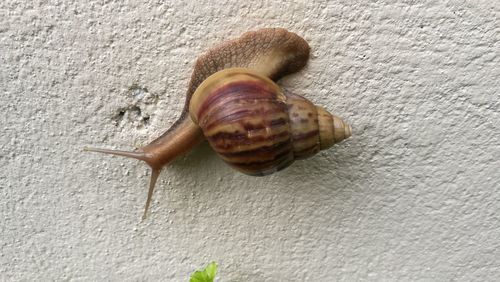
(205, 275)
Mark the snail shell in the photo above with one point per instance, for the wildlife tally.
(255, 127)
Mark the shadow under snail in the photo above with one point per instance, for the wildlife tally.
(233, 102)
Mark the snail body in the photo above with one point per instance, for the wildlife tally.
(233, 102)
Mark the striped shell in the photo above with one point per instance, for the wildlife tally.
(255, 127)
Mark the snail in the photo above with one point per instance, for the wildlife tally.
(250, 122)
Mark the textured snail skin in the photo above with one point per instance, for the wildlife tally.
(255, 127)
(272, 53)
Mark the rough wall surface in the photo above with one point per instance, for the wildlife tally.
(413, 195)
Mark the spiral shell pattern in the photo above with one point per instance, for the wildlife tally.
(253, 125)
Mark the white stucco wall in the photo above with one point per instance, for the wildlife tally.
(413, 195)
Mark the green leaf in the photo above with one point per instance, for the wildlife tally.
(211, 270)
(205, 275)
